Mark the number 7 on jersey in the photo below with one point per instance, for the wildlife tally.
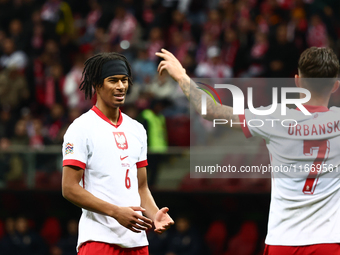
(322, 146)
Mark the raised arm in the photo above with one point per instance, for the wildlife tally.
(126, 216)
(160, 217)
(171, 64)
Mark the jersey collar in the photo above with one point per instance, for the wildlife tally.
(315, 108)
(101, 115)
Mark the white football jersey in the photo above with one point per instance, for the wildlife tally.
(305, 151)
(110, 155)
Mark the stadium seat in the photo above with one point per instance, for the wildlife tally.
(245, 241)
(41, 180)
(55, 180)
(193, 184)
(216, 237)
(2, 229)
(178, 130)
(51, 231)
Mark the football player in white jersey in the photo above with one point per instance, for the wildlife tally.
(304, 215)
(104, 166)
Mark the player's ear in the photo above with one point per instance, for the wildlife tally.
(335, 86)
(297, 81)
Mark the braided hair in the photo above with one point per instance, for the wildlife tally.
(91, 77)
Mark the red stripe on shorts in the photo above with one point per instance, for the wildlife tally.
(95, 248)
(315, 249)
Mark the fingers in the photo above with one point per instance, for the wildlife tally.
(138, 225)
(167, 52)
(137, 208)
(144, 224)
(160, 54)
(164, 209)
(162, 69)
(162, 63)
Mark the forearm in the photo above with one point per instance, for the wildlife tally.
(84, 199)
(147, 202)
(194, 95)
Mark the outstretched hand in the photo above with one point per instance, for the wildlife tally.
(170, 64)
(162, 220)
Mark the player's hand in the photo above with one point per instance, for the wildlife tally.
(129, 218)
(162, 220)
(170, 64)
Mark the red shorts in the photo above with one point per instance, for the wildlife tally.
(95, 248)
(315, 249)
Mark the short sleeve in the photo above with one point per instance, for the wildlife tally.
(142, 160)
(258, 125)
(75, 147)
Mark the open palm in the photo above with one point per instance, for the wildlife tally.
(162, 220)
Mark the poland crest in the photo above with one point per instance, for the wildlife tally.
(120, 140)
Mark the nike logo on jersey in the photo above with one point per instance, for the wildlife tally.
(122, 158)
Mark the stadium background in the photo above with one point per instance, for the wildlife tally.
(43, 45)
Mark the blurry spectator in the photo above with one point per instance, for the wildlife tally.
(13, 88)
(317, 33)
(206, 42)
(257, 56)
(7, 242)
(55, 81)
(157, 243)
(180, 46)
(20, 133)
(154, 123)
(58, 16)
(6, 122)
(55, 122)
(230, 47)
(122, 27)
(91, 21)
(146, 15)
(156, 42)
(185, 240)
(214, 67)
(16, 33)
(74, 97)
(69, 242)
(297, 28)
(162, 87)
(179, 24)
(16, 161)
(23, 241)
(214, 25)
(189, 64)
(12, 57)
(37, 39)
(101, 40)
(73, 114)
(37, 139)
(281, 56)
(144, 68)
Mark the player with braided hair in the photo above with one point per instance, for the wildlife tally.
(104, 166)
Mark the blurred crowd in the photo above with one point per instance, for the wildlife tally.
(44, 43)
(21, 235)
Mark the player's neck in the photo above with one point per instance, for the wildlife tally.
(111, 113)
(318, 101)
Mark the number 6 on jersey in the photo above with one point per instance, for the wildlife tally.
(127, 179)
